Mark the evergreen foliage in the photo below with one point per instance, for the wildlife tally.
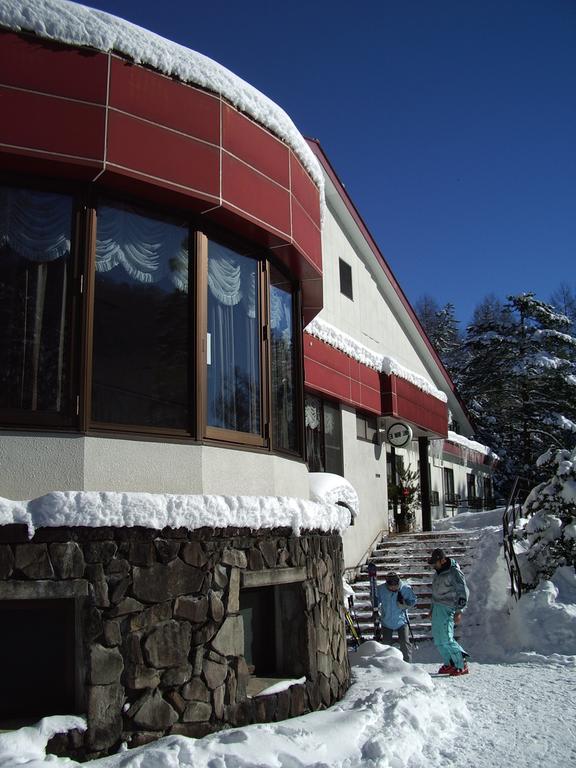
(519, 382)
(551, 508)
(441, 326)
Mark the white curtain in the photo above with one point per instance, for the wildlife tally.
(234, 371)
(149, 250)
(35, 225)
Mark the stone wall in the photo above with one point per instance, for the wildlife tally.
(160, 646)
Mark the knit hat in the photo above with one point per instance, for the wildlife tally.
(392, 579)
(437, 554)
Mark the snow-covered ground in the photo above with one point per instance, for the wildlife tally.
(517, 708)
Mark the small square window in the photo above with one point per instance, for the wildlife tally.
(346, 279)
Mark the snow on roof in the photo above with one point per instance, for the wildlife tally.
(94, 509)
(327, 488)
(79, 25)
(379, 362)
(454, 437)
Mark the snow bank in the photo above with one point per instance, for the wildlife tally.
(79, 25)
(327, 488)
(497, 628)
(99, 509)
(28, 745)
(336, 338)
(386, 719)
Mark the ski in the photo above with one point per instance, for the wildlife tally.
(374, 599)
(356, 637)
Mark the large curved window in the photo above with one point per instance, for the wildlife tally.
(35, 236)
(140, 341)
(146, 325)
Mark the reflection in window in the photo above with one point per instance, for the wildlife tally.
(35, 232)
(140, 352)
(283, 352)
(233, 356)
(323, 436)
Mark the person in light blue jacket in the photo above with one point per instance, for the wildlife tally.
(394, 597)
(449, 599)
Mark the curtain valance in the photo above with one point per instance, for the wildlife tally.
(35, 225)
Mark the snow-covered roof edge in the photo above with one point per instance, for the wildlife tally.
(79, 25)
(329, 488)
(336, 338)
(454, 437)
(93, 509)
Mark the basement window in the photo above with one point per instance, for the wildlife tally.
(37, 660)
(274, 634)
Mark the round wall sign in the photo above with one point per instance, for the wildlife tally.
(399, 434)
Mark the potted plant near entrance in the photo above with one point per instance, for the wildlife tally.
(404, 495)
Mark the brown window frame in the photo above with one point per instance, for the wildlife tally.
(67, 418)
(80, 321)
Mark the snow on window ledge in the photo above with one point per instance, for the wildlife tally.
(94, 509)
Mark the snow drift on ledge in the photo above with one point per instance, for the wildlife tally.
(93, 509)
(79, 25)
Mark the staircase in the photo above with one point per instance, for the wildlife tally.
(407, 554)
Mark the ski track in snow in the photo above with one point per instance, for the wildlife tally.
(523, 716)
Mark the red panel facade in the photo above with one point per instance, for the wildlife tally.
(333, 373)
(49, 68)
(406, 401)
(176, 158)
(254, 194)
(71, 109)
(163, 101)
(255, 146)
(37, 122)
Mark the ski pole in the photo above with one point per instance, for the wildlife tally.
(410, 628)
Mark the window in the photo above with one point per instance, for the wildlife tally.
(233, 341)
(45, 683)
(366, 428)
(449, 496)
(35, 304)
(471, 486)
(323, 436)
(119, 318)
(284, 363)
(140, 338)
(274, 636)
(345, 279)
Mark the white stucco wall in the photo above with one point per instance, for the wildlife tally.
(34, 464)
(365, 468)
(368, 318)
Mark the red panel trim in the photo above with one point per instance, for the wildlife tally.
(175, 158)
(306, 235)
(330, 371)
(405, 401)
(164, 101)
(50, 124)
(27, 63)
(304, 189)
(249, 191)
(249, 142)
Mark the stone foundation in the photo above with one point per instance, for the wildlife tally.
(159, 636)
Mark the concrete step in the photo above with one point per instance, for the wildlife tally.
(407, 554)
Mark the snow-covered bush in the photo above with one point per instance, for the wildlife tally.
(551, 512)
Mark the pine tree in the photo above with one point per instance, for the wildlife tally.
(520, 383)
(441, 327)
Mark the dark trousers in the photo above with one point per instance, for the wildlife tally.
(403, 637)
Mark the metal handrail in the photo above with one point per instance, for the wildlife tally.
(511, 514)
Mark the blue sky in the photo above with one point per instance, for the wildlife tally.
(452, 123)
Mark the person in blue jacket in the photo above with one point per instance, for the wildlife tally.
(449, 599)
(394, 597)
